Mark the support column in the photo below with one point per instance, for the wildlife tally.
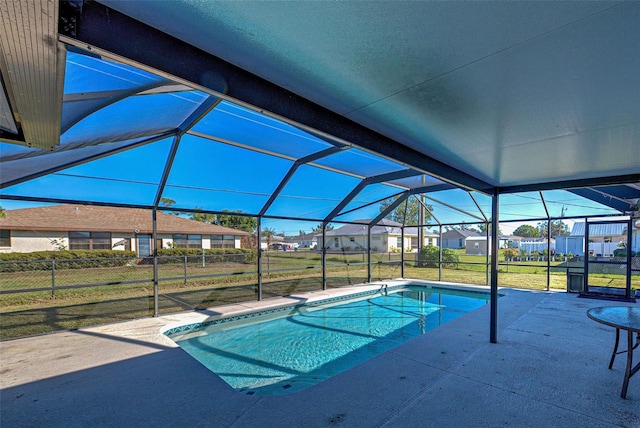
(420, 221)
(259, 255)
(369, 253)
(440, 255)
(154, 240)
(487, 264)
(629, 259)
(585, 263)
(548, 254)
(494, 267)
(402, 252)
(324, 255)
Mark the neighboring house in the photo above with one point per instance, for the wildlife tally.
(456, 238)
(89, 227)
(305, 240)
(604, 239)
(385, 236)
(478, 244)
(275, 242)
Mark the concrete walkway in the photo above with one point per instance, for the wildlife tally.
(549, 369)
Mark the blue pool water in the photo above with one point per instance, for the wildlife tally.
(306, 345)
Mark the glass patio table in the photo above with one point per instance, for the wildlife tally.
(621, 318)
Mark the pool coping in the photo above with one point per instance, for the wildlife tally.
(245, 310)
(152, 329)
(310, 302)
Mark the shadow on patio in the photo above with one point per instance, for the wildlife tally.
(548, 369)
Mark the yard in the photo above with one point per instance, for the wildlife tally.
(91, 296)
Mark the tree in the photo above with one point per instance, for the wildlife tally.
(2, 214)
(527, 231)
(484, 226)
(407, 212)
(240, 222)
(268, 233)
(558, 228)
(318, 228)
(166, 203)
(228, 219)
(203, 217)
(461, 226)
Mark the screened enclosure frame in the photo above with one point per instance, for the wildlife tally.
(24, 165)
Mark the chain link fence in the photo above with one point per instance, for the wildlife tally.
(38, 296)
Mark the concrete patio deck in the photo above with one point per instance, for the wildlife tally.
(548, 369)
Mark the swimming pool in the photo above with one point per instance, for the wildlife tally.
(288, 349)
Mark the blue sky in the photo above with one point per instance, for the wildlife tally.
(234, 159)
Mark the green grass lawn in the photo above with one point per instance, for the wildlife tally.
(283, 273)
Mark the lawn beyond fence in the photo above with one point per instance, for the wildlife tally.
(40, 301)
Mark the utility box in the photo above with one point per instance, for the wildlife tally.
(575, 282)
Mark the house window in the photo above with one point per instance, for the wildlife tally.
(414, 243)
(399, 242)
(183, 240)
(5, 238)
(336, 242)
(223, 241)
(352, 239)
(476, 245)
(89, 240)
(375, 238)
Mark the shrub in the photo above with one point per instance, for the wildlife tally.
(622, 253)
(430, 255)
(65, 259)
(212, 255)
(510, 253)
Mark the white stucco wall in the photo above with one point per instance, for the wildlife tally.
(23, 241)
(384, 243)
(431, 240)
(30, 241)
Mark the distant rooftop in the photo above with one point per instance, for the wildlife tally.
(107, 219)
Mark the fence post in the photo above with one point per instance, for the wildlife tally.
(185, 270)
(53, 279)
(203, 263)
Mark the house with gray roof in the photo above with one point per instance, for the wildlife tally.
(386, 236)
(457, 238)
(304, 240)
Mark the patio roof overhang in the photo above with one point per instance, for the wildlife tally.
(602, 76)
